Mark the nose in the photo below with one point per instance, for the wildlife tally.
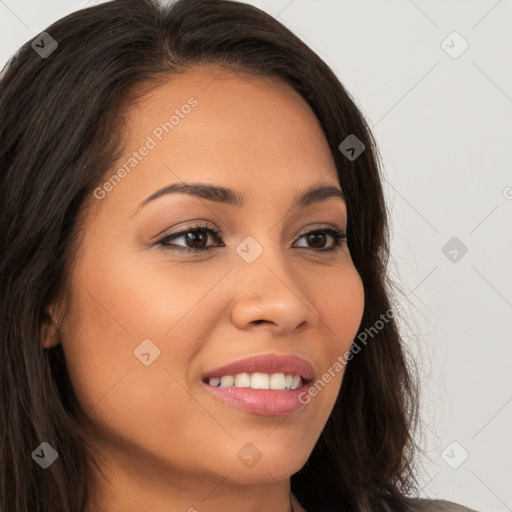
(268, 296)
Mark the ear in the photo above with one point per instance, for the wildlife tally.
(49, 327)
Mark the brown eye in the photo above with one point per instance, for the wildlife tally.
(195, 239)
(318, 237)
(316, 240)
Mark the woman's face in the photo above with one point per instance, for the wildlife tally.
(147, 324)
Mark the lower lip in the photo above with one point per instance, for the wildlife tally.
(261, 401)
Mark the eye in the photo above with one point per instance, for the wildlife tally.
(194, 236)
(196, 239)
(318, 237)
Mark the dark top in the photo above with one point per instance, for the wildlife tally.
(435, 505)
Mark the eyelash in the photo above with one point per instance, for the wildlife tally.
(339, 236)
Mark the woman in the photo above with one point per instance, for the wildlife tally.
(194, 251)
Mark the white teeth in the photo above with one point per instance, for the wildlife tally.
(214, 381)
(295, 382)
(277, 381)
(243, 380)
(258, 380)
(227, 380)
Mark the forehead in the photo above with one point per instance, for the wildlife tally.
(251, 112)
(216, 88)
(244, 132)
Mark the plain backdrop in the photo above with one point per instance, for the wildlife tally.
(434, 80)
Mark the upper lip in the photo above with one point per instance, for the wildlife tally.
(266, 363)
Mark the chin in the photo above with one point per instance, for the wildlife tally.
(260, 463)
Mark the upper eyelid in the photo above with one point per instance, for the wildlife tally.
(218, 232)
(338, 234)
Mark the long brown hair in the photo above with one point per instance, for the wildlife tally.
(59, 138)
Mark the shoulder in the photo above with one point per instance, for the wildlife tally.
(436, 505)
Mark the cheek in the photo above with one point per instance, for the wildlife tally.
(123, 398)
(117, 303)
(152, 294)
(340, 304)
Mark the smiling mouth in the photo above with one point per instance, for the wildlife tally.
(258, 380)
(275, 394)
(264, 384)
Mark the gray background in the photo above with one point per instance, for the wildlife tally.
(443, 125)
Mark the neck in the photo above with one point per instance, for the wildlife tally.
(295, 505)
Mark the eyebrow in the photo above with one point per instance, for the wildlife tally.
(236, 199)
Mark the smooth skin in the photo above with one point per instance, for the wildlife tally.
(164, 442)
